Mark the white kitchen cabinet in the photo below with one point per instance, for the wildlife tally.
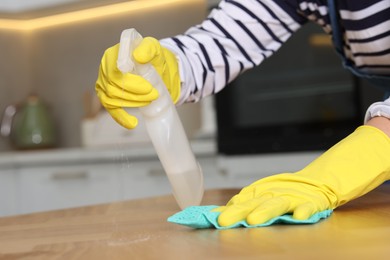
(148, 178)
(212, 175)
(65, 186)
(242, 170)
(56, 179)
(41, 181)
(144, 179)
(9, 191)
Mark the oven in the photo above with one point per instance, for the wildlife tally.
(300, 99)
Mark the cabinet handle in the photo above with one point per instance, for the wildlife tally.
(156, 172)
(60, 176)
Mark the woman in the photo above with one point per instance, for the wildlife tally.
(239, 35)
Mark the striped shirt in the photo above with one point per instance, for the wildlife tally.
(241, 34)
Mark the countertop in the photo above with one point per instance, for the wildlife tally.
(137, 229)
(200, 147)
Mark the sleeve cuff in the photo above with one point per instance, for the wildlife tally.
(378, 109)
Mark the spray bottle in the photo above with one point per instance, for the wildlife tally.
(165, 128)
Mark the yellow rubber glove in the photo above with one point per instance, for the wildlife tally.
(117, 91)
(356, 165)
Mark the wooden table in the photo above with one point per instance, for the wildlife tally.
(138, 230)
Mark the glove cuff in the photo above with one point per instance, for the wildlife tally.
(354, 166)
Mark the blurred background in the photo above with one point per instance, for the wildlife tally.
(52, 49)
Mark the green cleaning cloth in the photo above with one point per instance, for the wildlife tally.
(202, 217)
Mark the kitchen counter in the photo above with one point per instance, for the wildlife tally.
(201, 147)
(137, 229)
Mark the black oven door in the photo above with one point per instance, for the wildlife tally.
(300, 99)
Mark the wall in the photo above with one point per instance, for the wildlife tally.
(15, 71)
(61, 63)
(15, 65)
